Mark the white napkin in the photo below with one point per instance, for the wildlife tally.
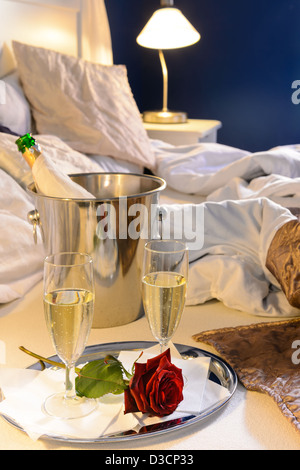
(55, 183)
(25, 391)
(23, 403)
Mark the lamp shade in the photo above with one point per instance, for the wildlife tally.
(168, 29)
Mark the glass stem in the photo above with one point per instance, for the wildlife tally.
(70, 382)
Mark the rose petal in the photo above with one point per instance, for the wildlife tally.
(129, 402)
(153, 362)
(137, 387)
(165, 388)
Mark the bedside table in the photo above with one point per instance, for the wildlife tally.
(190, 132)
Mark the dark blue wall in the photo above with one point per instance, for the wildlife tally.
(240, 72)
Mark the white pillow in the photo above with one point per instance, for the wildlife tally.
(14, 109)
(115, 165)
(7, 60)
(89, 106)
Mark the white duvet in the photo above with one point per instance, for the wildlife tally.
(220, 172)
(240, 218)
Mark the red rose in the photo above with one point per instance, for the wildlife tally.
(155, 388)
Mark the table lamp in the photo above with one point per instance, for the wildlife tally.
(167, 29)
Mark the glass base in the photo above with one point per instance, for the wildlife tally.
(58, 406)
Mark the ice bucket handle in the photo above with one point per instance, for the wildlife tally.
(33, 218)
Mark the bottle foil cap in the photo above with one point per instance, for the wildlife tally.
(25, 142)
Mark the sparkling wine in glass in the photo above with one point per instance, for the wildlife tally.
(69, 309)
(164, 284)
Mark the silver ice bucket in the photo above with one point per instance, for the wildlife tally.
(112, 228)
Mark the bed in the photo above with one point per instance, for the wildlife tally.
(48, 75)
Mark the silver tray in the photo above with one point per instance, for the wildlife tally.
(220, 372)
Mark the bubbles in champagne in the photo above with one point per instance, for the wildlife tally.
(164, 298)
(68, 316)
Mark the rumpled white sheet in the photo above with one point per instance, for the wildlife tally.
(271, 186)
(220, 172)
(20, 258)
(229, 266)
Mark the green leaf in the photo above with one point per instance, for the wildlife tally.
(97, 378)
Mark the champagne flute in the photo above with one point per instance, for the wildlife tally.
(164, 283)
(69, 308)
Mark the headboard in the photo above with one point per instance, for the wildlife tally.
(76, 27)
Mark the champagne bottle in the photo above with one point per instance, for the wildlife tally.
(49, 180)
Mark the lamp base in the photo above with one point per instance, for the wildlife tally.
(164, 117)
